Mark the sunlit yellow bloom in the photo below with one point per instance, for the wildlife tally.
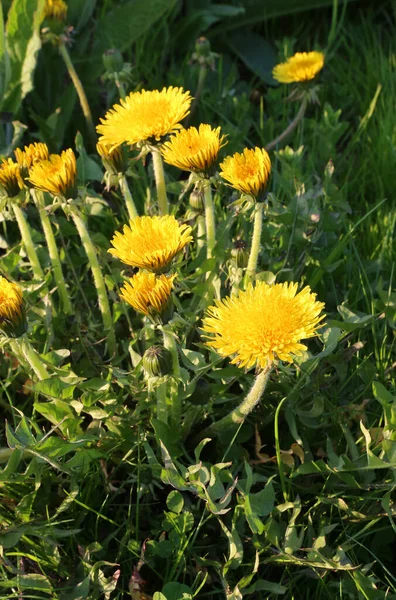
(57, 175)
(303, 66)
(150, 242)
(30, 155)
(113, 160)
(10, 178)
(148, 293)
(263, 323)
(193, 149)
(144, 116)
(247, 172)
(55, 9)
(11, 301)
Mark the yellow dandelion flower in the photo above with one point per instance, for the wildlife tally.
(150, 242)
(113, 160)
(144, 116)
(29, 155)
(11, 303)
(148, 293)
(57, 175)
(55, 9)
(193, 149)
(10, 178)
(263, 323)
(303, 66)
(247, 172)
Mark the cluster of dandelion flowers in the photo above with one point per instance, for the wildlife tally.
(148, 293)
(263, 323)
(31, 154)
(10, 178)
(150, 242)
(144, 116)
(248, 171)
(57, 175)
(194, 149)
(303, 66)
(11, 305)
(55, 10)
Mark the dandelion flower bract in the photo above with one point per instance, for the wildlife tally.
(150, 242)
(144, 116)
(55, 9)
(263, 323)
(11, 301)
(193, 149)
(303, 66)
(29, 155)
(247, 172)
(10, 178)
(148, 293)
(57, 175)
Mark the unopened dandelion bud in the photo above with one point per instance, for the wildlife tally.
(55, 10)
(157, 361)
(196, 199)
(240, 254)
(112, 60)
(202, 47)
(12, 312)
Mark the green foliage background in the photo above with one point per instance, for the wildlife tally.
(98, 500)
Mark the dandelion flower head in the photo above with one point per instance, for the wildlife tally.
(144, 116)
(55, 9)
(150, 242)
(11, 301)
(247, 172)
(57, 175)
(303, 66)
(264, 323)
(29, 155)
(194, 149)
(10, 178)
(148, 293)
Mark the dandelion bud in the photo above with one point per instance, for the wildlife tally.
(240, 254)
(196, 199)
(157, 361)
(12, 313)
(202, 47)
(112, 60)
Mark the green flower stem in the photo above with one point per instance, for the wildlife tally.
(162, 402)
(238, 276)
(98, 278)
(278, 450)
(126, 192)
(256, 241)
(53, 251)
(120, 86)
(80, 91)
(27, 241)
(239, 414)
(291, 127)
(203, 70)
(209, 220)
(201, 228)
(159, 176)
(22, 348)
(175, 406)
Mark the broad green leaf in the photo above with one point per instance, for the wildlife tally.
(121, 27)
(255, 52)
(23, 43)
